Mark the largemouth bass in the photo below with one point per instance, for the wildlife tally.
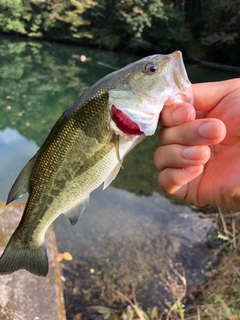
(86, 147)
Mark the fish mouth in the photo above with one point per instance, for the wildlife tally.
(180, 78)
(124, 123)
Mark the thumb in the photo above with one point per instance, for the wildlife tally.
(207, 95)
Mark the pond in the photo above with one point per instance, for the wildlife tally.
(131, 235)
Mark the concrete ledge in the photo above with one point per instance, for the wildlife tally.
(24, 296)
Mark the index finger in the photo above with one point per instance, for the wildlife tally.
(176, 114)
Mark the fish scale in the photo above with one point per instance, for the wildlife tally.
(86, 148)
(53, 157)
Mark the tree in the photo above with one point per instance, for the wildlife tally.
(221, 20)
(11, 12)
(73, 16)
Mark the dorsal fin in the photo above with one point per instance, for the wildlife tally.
(20, 186)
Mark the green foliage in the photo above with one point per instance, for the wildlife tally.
(139, 15)
(10, 16)
(219, 22)
(170, 32)
(122, 24)
(31, 17)
(203, 29)
(73, 16)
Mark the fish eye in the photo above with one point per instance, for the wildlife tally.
(151, 68)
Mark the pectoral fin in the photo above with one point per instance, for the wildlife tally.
(112, 175)
(75, 213)
(21, 185)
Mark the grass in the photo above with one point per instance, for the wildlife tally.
(220, 295)
(216, 299)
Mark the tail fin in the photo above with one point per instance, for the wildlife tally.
(18, 256)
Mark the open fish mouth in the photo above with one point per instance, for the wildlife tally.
(124, 123)
(136, 108)
(178, 80)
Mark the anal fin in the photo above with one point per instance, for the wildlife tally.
(75, 213)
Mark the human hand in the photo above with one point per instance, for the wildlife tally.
(199, 160)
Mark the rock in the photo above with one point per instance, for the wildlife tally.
(23, 295)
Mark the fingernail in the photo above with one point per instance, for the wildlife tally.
(209, 130)
(181, 114)
(192, 153)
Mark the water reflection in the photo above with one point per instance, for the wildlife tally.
(38, 81)
(15, 151)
